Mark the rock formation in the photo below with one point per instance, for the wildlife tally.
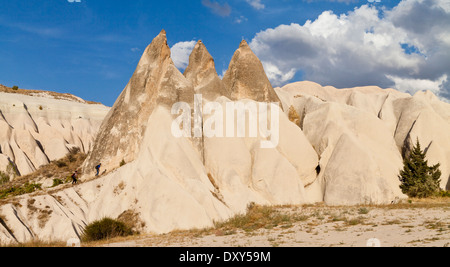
(201, 72)
(156, 80)
(378, 125)
(425, 118)
(35, 130)
(246, 78)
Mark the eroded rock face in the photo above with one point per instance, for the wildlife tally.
(423, 117)
(156, 80)
(246, 78)
(361, 135)
(35, 130)
(201, 72)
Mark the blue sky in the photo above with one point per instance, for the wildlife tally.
(91, 48)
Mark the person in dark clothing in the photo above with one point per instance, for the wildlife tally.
(74, 177)
(98, 169)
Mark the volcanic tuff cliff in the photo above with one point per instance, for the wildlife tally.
(37, 127)
(346, 149)
(156, 81)
(246, 78)
(201, 72)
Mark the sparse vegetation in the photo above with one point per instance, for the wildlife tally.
(293, 116)
(363, 210)
(354, 221)
(291, 225)
(258, 217)
(132, 220)
(57, 182)
(417, 178)
(17, 191)
(61, 164)
(60, 171)
(64, 96)
(122, 163)
(4, 178)
(106, 228)
(11, 169)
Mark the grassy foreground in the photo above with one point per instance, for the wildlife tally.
(261, 218)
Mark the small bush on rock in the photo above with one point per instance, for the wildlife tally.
(105, 229)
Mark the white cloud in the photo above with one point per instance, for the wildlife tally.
(42, 31)
(256, 4)
(223, 10)
(240, 19)
(277, 76)
(412, 86)
(223, 74)
(364, 47)
(181, 52)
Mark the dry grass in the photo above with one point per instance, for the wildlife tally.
(132, 220)
(60, 170)
(293, 116)
(258, 217)
(119, 188)
(37, 244)
(275, 224)
(63, 96)
(431, 202)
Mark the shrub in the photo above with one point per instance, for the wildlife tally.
(444, 193)
(363, 210)
(4, 178)
(12, 169)
(417, 178)
(61, 164)
(29, 188)
(57, 182)
(15, 87)
(105, 229)
(71, 158)
(122, 163)
(16, 191)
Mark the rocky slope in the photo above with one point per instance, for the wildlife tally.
(383, 124)
(37, 127)
(345, 148)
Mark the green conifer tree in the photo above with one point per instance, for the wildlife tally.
(417, 178)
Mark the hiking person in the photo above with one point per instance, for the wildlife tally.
(98, 169)
(74, 177)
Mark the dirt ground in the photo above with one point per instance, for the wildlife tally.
(404, 225)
